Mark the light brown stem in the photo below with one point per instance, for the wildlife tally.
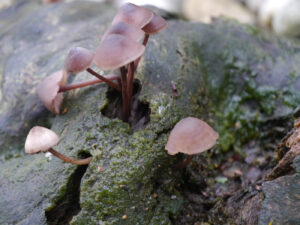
(110, 83)
(69, 87)
(70, 160)
(185, 162)
(124, 94)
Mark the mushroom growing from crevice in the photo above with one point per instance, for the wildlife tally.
(41, 139)
(151, 23)
(154, 26)
(191, 136)
(117, 51)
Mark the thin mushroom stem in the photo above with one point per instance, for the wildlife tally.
(109, 82)
(130, 82)
(124, 94)
(119, 82)
(185, 162)
(145, 41)
(69, 87)
(70, 160)
(146, 38)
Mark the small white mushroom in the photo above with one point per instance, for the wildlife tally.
(41, 139)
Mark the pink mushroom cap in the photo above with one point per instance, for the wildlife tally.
(191, 136)
(125, 29)
(40, 139)
(156, 25)
(133, 14)
(78, 59)
(116, 51)
(48, 90)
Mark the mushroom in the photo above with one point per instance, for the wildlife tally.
(79, 59)
(125, 29)
(48, 90)
(41, 139)
(116, 51)
(156, 25)
(51, 88)
(191, 136)
(133, 14)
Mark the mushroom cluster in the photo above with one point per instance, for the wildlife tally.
(120, 48)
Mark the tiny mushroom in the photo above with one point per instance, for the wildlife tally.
(191, 136)
(41, 139)
(48, 90)
(133, 14)
(78, 59)
(156, 25)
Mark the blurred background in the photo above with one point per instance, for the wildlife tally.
(279, 16)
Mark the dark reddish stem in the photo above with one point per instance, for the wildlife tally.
(69, 87)
(119, 82)
(124, 94)
(145, 41)
(130, 82)
(110, 83)
(146, 38)
(70, 160)
(185, 162)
